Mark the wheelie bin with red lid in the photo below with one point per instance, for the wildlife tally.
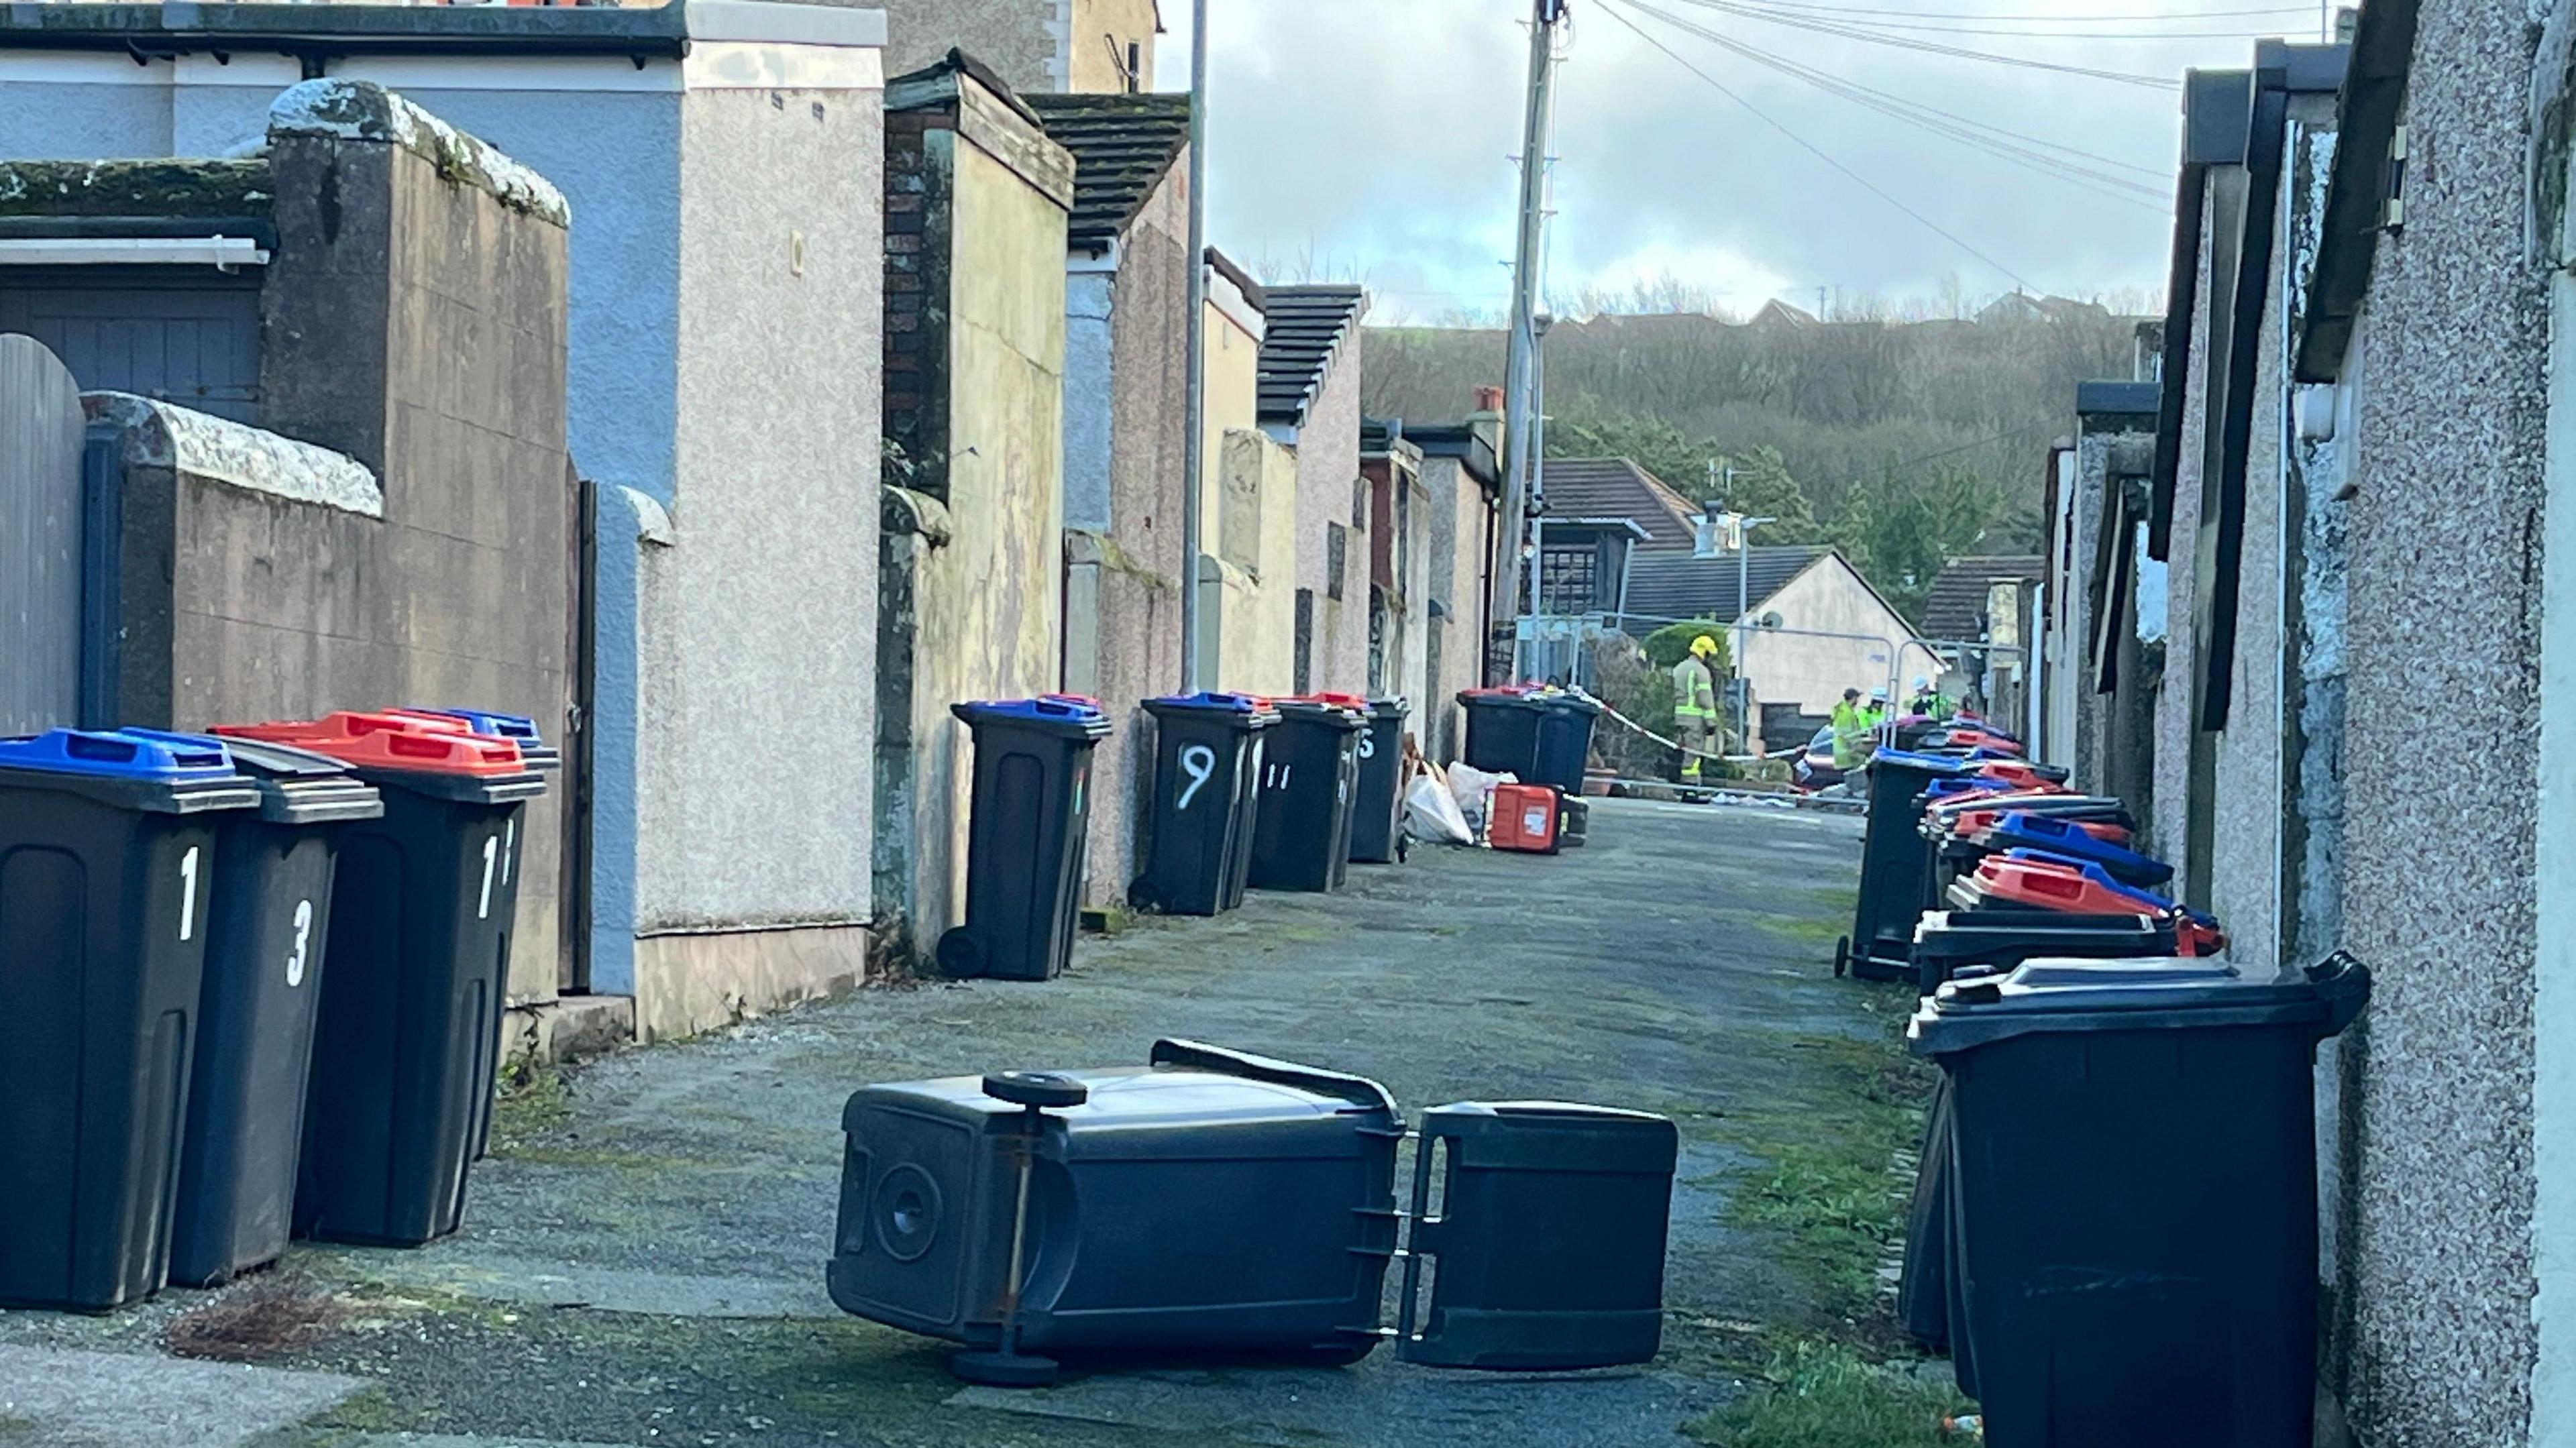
(107, 877)
(1302, 832)
(1025, 843)
(407, 1045)
(1205, 747)
(268, 935)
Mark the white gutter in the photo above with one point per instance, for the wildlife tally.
(224, 253)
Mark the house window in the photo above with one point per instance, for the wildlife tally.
(1305, 640)
(1337, 547)
(1569, 579)
(1135, 66)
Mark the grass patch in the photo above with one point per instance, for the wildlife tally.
(1824, 1395)
(1828, 1187)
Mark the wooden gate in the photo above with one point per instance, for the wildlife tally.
(40, 538)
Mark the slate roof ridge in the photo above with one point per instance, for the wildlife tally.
(1304, 327)
(1123, 147)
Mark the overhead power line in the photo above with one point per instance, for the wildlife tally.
(1928, 47)
(2049, 158)
(1613, 10)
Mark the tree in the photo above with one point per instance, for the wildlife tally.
(1755, 482)
(1902, 533)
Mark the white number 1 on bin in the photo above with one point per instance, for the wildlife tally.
(1198, 762)
(188, 893)
(491, 853)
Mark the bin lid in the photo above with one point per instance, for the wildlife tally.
(1240, 708)
(1500, 696)
(145, 769)
(300, 787)
(2020, 830)
(2059, 996)
(519, 729)
(1915, 759)
(1319, 711)
(423, 755)
(1051, 714)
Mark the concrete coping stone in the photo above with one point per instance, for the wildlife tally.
(359, 110)
(165, 435)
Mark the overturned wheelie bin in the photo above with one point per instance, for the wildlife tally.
(1216, 1204)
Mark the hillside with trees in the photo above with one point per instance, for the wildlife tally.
(1907, 443)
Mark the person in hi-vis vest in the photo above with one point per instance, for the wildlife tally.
(1695, 704)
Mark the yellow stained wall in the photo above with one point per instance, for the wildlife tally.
(1233, 369)
(1102, 32)
(991, 600)
(1257, 610)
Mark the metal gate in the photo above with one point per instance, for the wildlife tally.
(41, 434)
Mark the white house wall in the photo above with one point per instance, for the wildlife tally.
(1828, 598)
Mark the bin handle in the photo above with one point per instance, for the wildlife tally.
(2345, 983)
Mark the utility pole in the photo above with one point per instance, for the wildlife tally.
(1520, 390)
(1193, 453)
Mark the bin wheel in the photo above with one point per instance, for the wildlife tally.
(1842, 956)
(1004, 1369)
(1036, 1088)
(1142, 896)
(959, 956)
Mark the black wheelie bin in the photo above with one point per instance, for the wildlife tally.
(1027, 840)
(1377, 793)
(1894, 859)
(1206, 745)
(2134, 1197)
(1301, 838)
(266, 952)
(408, 1041)
(107, 876)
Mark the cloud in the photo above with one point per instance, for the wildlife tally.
(1372, 139)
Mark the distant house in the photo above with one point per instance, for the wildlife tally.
(1809, 625)
(1035, 46)
(1595, 513)
(1310, 401)
(1777, 313)
(2023, 307)
(1956, 610)
(1126, 280)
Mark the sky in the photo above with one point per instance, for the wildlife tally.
(1372, 140)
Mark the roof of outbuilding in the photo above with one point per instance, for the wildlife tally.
(1678, 585)
(1123, 146)
(1618, 488)
(1955, 609)
(1302, 329)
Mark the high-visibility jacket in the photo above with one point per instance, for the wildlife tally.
(1851, 736)
(1694, 690)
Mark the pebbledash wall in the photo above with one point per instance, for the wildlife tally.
(724, 158)
(1034, 45)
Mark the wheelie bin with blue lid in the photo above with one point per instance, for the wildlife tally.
(108, 870)
(1026, 838)
(1205, 747)
(267, 940)
(2135, 1198)
(1895, 861)
(1301, 838)
(408, 1041)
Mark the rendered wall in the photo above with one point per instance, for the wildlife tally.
(986, 602)
(2169, 829)
(1100, 33)
(1328, 463)
(1827, 598)
(1256, 608)
(2447, 567)
(1459, 513)
(774, 576)
(1138, 625)
(1017, 38)
(1232, 365)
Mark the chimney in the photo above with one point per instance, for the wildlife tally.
(1489, 399)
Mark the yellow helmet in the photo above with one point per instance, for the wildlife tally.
(1703, 645)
